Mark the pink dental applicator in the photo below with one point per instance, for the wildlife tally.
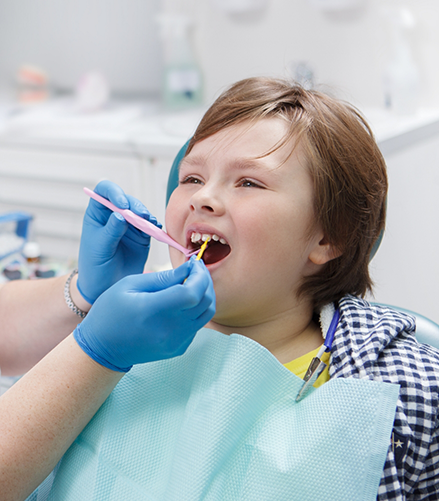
(145, 226)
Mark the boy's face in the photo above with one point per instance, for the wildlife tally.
(261, 207)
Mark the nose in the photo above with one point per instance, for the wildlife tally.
(207, 200)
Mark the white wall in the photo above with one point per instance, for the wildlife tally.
(406, 267)
(347, 50)
(69, 37)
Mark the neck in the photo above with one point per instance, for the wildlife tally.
(287, 336)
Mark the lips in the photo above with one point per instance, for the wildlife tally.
(217, 248)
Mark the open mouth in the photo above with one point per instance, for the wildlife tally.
(217, 248)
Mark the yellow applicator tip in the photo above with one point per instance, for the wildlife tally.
(202, 249)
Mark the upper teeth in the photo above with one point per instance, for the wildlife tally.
(202, 237)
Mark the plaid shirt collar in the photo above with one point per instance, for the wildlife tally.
(363, 332)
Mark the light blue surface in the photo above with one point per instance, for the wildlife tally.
(427, 331)
(221, 423)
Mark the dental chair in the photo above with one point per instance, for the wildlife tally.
(427, 331)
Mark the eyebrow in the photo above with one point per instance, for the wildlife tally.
(239, 163)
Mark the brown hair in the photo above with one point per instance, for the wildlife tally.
(348, 170)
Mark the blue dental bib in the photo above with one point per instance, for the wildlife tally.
(221, 423)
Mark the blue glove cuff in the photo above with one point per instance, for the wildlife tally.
(79, 338)
(91, 301)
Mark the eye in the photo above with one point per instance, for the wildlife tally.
(190, 180)
(248, 183)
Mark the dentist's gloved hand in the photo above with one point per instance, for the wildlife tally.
(110, 247)
(149, 317)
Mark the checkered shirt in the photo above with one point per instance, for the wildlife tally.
(378, 343)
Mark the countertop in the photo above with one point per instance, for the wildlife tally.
(121, 128)
(145, 128)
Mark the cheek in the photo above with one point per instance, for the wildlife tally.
(256, 238)
(260, 223)
(173, 216)
(276, 233)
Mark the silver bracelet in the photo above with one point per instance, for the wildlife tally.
(68, 297)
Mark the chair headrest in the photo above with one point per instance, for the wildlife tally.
(173, 174)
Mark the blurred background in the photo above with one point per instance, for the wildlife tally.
(346, 44)
(93, 89)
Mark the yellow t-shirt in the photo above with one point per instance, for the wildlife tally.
(300, 365)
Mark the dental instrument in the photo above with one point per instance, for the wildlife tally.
(202, 249)
(317, 366)
(142, 224)
(200, 252)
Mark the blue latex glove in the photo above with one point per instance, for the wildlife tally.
(110, 247)
(149, 317)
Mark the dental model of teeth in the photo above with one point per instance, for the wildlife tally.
(198, 237)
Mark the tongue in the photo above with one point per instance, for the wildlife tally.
(215, 252)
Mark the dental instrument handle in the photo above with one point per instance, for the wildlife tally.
(202, 249)
(321, 351)
(317, 366)
(312, 376)
(327, 345)
(140, 223)
(331, 331)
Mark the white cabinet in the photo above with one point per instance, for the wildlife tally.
(49, 183)
(49, 153)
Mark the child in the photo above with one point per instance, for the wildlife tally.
(289, 188)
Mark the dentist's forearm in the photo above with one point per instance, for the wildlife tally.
(34, 318)
(42, 414)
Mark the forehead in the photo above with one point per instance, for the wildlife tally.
(264, 142)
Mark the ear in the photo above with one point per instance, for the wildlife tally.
(323, 252)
